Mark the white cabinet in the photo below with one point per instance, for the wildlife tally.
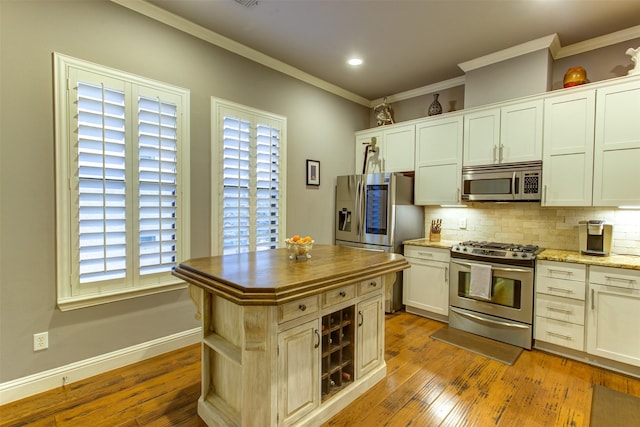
(396, 146)
(506, 134)
(617, 145)
(614, 314)
(426, 283)
(298, 365)
(438, 165)
(559, 304)
(370, 335)
(567, 166)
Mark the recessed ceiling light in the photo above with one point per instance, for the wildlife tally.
(354, 61)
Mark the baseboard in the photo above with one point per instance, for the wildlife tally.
(20, 388)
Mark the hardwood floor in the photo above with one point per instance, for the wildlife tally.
(428, 383)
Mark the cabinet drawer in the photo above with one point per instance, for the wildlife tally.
(336, 296)
(560, 287)
(564, 309)
(298, 308)
(370, 285)
(426, 253)
(561, 270)
(619, 277)
(560, 333)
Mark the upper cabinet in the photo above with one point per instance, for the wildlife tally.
(616, 170)
(567, 163)
(511, 133)
(438, 164)
(395, 149)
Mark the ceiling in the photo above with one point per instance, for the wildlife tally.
(405, 44)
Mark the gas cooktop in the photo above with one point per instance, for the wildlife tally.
(497, 250)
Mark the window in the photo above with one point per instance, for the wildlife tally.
(249, 149)
(122, 184)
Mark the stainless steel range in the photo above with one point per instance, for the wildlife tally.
(491, 290)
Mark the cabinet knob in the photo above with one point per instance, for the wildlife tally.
(343, 294)
(373, 283)
(302, 307)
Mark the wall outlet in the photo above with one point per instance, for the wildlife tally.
(462, 223)
(40, 341)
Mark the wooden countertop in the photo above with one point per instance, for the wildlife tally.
(271, 278)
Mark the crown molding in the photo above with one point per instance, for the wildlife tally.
(599, 42)
(424, 90)
(512, 52)
(151, 11)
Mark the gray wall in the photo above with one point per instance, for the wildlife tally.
(320, 127)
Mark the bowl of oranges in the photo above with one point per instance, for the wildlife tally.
(299, 247)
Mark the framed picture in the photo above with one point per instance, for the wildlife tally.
(313, 172)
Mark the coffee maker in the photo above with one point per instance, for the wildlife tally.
(595, 237)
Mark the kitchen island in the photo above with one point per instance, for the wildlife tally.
(289, 342)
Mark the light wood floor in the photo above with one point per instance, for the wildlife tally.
(428, 383)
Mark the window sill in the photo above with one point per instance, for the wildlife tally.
(83, 301)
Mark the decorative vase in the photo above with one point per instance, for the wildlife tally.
(435, 107)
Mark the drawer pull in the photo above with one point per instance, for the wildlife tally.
(553, 270)
(557, 335)
(425, 254)
(302, 307)
(373, 283)
(553, 289)
(343, 294)
(559, 309)
(620, 279)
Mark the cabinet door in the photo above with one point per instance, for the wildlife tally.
(299, 370)
(426, 286)
(362, 139)
(481, 137)
(370, 335)
(612, 330)
(438, 163)
(398, 148)
(567, 166)
(617, 146)
(521, 132)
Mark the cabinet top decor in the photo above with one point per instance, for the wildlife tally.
(270, 278)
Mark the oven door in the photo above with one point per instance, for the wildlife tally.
(511, 291)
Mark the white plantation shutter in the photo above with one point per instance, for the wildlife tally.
(122, 184)
(101, 183)
(157, 147)
(268, 186)
(250, 146)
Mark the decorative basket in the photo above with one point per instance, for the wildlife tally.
(298, 249)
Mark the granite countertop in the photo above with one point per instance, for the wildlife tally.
(443, 244)
(614, 260)
(620, 261)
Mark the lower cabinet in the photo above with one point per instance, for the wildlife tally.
(327, 351)
(370, 334)
(298, 360)
(614, 314)
(426, 283)
(559, 304)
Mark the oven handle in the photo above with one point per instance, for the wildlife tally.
(482, 319)
(513, 270)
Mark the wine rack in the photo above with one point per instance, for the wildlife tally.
(337, 351)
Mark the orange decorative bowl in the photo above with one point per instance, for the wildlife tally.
(299, 249)
(575, 76)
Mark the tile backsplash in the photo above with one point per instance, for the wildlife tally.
(529, 223)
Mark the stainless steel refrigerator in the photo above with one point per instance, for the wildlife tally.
(376, 212)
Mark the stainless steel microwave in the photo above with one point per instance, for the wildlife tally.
(502, 183)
